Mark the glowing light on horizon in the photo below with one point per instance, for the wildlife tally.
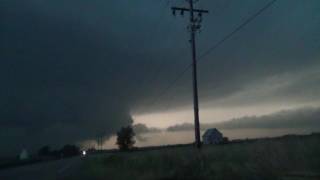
(207, 115)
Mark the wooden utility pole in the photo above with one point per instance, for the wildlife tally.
(194, 26)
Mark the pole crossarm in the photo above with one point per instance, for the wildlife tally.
(187, 9)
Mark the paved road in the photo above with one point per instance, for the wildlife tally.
(53, 170)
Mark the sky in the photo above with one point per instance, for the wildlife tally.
(74, 70)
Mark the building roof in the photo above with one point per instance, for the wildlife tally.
(212, 131)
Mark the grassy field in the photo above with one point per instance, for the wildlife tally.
(291, 158)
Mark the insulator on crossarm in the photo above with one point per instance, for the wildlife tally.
(174, 12)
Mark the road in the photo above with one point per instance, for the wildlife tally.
(53, 170)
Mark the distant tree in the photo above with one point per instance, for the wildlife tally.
(225, 140)
(91, 150)
(125, 138)
(44, 151)
(56, 153)
(70, 150)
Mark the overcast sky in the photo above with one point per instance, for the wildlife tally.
(71, 70)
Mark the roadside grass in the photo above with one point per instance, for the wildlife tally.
(260, 160)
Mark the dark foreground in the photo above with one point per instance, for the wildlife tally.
(287, 158)
(52, 170)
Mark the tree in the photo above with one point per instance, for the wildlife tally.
(125, 138)
(70, 150)
(225, 140)
(44, 151)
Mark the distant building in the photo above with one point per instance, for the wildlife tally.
(24, 155)
(212, 136)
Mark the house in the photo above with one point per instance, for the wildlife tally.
(212, 136)
(24, 155)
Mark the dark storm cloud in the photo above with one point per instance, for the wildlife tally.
(73, 70)
(281, 42)
(142, 128)
(307, 117)
(60, 82)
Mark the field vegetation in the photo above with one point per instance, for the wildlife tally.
(289, 157)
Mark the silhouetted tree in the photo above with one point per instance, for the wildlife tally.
(225, 140)
(91, 150)
(56, 153)
(125, 138)
(70, 150)
(44, 151)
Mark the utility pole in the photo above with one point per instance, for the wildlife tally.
(100, 141)
(194, 26)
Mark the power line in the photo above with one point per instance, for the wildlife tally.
(159, 68)
(155, 29)
(214, 47)
(228, 36)
(171, 85)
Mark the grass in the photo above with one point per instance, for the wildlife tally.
(260, 160)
